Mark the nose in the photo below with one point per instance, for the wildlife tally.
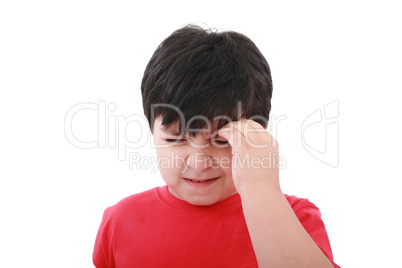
(199, 160)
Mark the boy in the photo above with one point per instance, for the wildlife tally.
(207, 97)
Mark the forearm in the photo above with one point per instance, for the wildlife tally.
(278, 238)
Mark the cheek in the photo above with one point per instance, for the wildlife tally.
(170, 161)
(224, 160)
(168, 175)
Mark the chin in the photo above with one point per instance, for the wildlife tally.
(203, 200)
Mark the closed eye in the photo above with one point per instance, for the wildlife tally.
(175, 140)
(221, 142)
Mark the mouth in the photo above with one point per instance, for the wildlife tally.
(200, 182)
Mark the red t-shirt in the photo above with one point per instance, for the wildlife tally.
(155, 229)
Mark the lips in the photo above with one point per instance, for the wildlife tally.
(201, 180)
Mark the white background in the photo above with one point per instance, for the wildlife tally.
(54, 55)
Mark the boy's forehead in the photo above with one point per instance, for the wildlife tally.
(174, 129)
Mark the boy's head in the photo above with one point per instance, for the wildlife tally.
(199, 75)
(200, 80)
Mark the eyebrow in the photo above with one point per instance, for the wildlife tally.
(171, 131)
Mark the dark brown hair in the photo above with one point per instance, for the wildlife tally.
(205, 73)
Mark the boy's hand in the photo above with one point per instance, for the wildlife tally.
(255, 156)
(278, 238)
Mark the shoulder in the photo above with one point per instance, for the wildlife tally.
(303, 208)
(139, 198)
(298, 203)
(310, 217)
(132, 204)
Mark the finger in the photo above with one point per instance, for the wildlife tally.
(233, 136)
(255, 135)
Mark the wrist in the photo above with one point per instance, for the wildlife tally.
(257, 189)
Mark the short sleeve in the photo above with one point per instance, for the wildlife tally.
(310, 217)
(102, 256)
